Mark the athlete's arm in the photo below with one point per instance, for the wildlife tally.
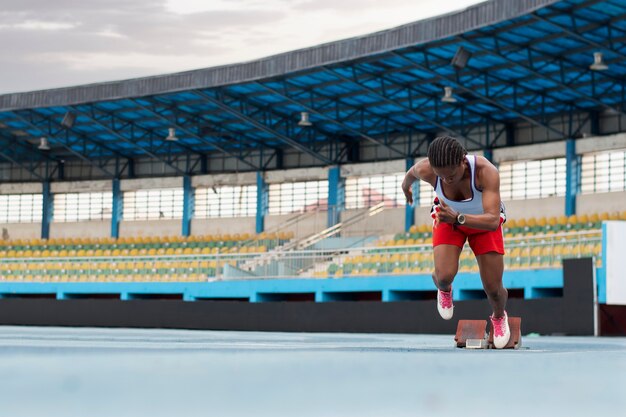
(420, 171)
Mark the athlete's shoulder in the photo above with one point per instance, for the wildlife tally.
(484, 163)
(424, 171)
(486, 172)
(423, 168)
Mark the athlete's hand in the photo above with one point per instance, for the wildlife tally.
(446, 214)
(408, 193)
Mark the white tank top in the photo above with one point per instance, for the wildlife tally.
(474, 204)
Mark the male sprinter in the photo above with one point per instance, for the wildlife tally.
(467, 207)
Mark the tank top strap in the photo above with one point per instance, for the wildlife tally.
(471, 159)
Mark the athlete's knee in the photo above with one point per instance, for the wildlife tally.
(495, 291)
(444, 276)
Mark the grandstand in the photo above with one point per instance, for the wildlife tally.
(279, 179)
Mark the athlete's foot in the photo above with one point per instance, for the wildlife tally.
(501, 331)
(444, 304)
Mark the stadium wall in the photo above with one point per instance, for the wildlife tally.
(21, 230)
(601, 202)
(150, 228)
(307, 226)
(93, 229)
(222, 226)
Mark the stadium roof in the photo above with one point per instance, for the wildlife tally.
(506, 61)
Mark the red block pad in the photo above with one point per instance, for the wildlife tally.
(470, 329)
(515, 325)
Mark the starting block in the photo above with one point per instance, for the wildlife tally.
(472, 334)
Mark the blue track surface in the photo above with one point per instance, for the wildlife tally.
(123, 372)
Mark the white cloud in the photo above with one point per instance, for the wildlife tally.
(110, 33)
(39, 25)
(95, 61)
(184, 7)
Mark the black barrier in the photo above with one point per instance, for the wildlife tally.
(573, 314)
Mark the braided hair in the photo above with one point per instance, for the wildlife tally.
(445, 151)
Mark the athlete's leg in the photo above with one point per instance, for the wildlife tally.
(446, 265)
(447, 245)
(491, 266)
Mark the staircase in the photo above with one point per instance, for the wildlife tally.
(277, 263)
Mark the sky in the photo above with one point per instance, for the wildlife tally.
(49, 44)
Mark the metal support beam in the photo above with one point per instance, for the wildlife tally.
(31, 171)
(535, 73)
(578, 36)
(50, 121)
(406, 108)
(49, 134)
(488, 153)
(572, 179)
(46, 212)
(124, 139)
(12, 143)
(414, 89)
(333, 120)
(183, 129)
(116, 210)
(188, 204)
(262, 127)
(336, 196)
(262, 199)
(362, 112)
(460, 86)
(193, 135)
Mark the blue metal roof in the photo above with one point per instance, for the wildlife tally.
(529, 61)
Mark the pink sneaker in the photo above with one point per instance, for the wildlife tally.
(501, 331)
(444, 304)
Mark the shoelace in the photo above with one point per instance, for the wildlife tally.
(446, 299)
(498, 326)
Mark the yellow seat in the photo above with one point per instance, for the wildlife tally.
(424, 228)
(543, 222)
(572, 220)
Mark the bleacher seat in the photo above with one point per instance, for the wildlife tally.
(26, 260)
(540, 242)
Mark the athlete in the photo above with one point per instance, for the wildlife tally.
(467, 207)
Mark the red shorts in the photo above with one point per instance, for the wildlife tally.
(481, 241)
